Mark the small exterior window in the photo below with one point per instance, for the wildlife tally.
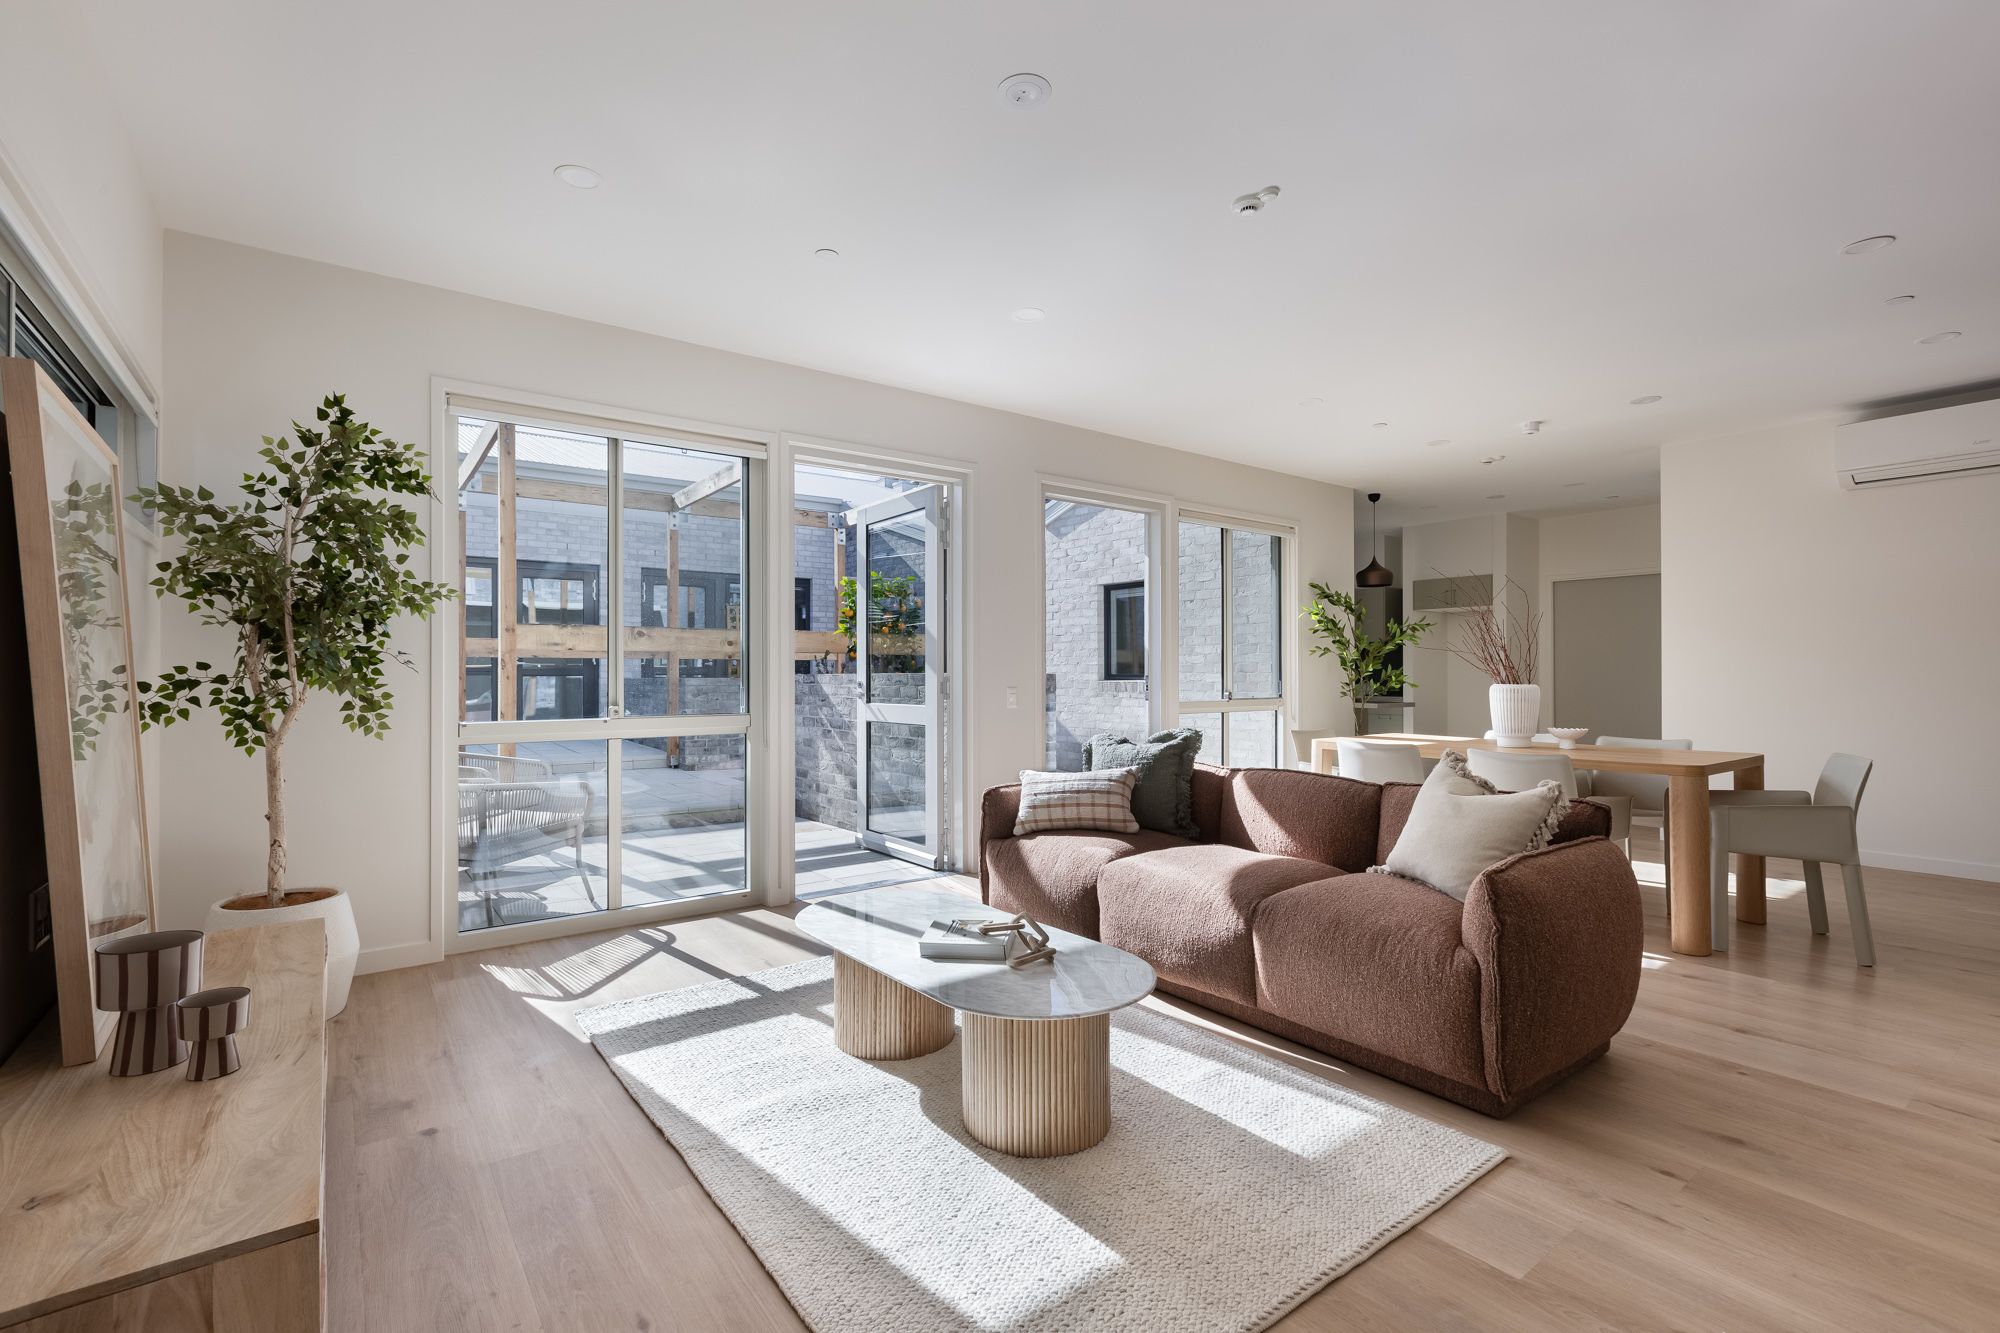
(802, 604)
(1125, 631)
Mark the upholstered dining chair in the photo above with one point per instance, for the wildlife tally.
(1518, 770)
(1810, 827)
(1647, 793)
(1379, 761)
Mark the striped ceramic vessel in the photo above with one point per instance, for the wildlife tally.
(139, 977)
(209, 1021)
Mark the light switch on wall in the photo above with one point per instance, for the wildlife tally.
(1013, 697)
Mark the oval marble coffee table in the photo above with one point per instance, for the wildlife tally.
(1036, 1069)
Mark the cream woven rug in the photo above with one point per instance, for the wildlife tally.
(1230, 1188)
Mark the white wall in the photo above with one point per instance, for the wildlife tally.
(1450, 694)
(255, 338)
(1800, 619)
(69, 176)
(1599, 543)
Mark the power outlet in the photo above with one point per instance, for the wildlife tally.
(40, 928)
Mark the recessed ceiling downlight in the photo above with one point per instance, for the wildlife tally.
(1311, 402)
(1944, 337)
(1867, 245)
(579, 176)
(1501, 496)
(1025, 92)
(826, 253)
(1646, 400)
(1029, 314)
(1433, 444)
(1899, 300)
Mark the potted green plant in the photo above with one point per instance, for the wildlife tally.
(308, 572)
(1337, 623)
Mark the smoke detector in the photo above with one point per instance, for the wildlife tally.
(1532, 427)
(1254, 203)
(1025, 92)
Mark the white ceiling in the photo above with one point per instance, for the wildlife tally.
(1490, 212)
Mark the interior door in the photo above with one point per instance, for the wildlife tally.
(899, 719)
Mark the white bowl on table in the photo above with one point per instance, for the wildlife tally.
(1567, 737)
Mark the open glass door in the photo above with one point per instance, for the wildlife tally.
(899, 587)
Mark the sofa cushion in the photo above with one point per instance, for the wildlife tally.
(1187, 911)
(1376, 960)
(1461, 824)
(1163, 799)
(1211, 784)
(1053, 876)
(1100, 801)
(1312, 816)
(1585, 818)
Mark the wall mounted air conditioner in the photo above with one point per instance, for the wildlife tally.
(1919, 446)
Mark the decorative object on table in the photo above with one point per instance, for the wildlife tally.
(962, 939)
(140, 978)
(1163, 797)
(1461, 824)
(1374, 574)
(69, 523)
(209, 1021)
(1099, 800)
(1035, 946)
(1365, 669)
(308, 572)
(1504, 644)
(1567, 737)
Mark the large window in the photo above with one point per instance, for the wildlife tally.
(1232, 634)
(33, 326)
(604, 607)
(1097, 562)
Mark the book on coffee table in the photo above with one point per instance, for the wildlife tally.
(960, 939)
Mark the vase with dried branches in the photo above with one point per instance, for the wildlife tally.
(1505, 644)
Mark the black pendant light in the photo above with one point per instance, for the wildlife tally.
(1376, 574)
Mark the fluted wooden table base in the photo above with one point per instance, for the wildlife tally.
(1037, 1088)
(875, 1018)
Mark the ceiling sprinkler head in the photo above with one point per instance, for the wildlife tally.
(1254, 203)
(1532, 427)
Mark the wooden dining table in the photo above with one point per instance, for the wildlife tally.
(1687, 773)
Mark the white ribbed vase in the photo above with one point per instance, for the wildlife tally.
(1517, 709)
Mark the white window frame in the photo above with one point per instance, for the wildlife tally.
(1162, 591)
(1284, 702)
(959, 479)
(454, 398)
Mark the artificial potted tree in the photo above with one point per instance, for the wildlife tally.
(308, 572)
(1338, 624)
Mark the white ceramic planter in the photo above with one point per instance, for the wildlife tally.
(1517, 711)
(343, 941)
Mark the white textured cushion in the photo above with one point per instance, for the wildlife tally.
(1097, 800)
(1460, 824)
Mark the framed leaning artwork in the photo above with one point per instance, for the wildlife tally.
(68, 511)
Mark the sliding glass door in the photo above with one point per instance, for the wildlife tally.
(1232, 635)
(602, 730)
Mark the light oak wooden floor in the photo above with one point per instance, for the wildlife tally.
(1778, 1140)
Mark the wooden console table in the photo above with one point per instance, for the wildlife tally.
(161, 1205)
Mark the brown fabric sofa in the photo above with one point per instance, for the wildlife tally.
(1269, 918)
